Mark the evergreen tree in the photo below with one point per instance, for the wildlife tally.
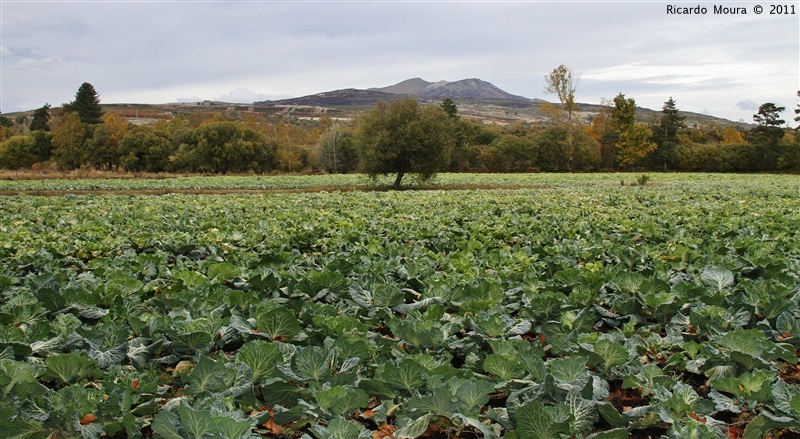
(87, 105)
(41, 119)
(667, 137)
(671, 120)
(766, 136)
(768, 131)
(449, 107)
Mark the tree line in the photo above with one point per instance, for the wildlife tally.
(400, 138)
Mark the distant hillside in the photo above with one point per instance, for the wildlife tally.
(474, 98)
(472, 88)
(338, 98)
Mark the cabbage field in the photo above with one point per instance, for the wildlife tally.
(555, 307)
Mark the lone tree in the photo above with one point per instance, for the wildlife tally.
(768, 131)
(562, 83)
(404, 137)
(87, 105)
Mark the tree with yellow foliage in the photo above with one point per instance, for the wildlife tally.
(732, 136)
(69, 138)
(103, 149)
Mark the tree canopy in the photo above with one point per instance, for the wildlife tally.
(562, 82)
(41, 119)
(667, 136)
(623, 116)
(69, 138)
(404, 137)
(768, 131)
(87, 105)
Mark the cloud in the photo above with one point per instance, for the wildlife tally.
(272, 50)
(747, 105)
(242, 95)
(47, 62)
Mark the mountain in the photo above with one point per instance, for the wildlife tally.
(472, 88)
(347, 97)
(474, 98)
(465, 89)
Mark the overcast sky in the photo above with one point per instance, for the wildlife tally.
(168, 51)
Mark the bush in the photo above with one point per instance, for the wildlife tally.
(514, 153)
(18, 152)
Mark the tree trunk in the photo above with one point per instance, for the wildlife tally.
(396, 184)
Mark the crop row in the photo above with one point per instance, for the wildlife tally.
(358, 181)
(549, 313)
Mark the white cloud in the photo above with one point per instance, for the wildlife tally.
(47, 63)
(747, 105)
(242, 95)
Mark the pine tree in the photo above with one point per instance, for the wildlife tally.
(768, 131)
(671, 121)
(41, 119)
(87, 105)
(667, 138)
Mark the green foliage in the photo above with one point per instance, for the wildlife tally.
(666, 134)
(337, 152)
(403, 138)
(635, 144)
(186, 422)
(222, 147)
(563, 149)
(86, 105)
(768, 131)
(67, 368)
(514, 153)
(69, 138)
(557, 312)
(536, 421)
(449, 107)
(17, 152)
(142, 149)
(41, 119)
(623, 116)
(671, 120)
